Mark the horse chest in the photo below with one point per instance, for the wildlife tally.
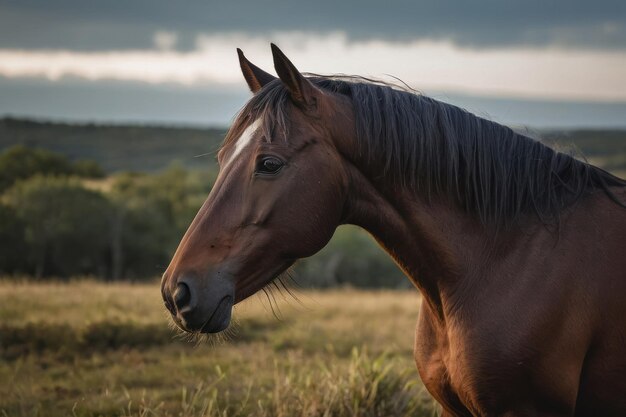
(464, 378)
(442, 370)
(484, 373)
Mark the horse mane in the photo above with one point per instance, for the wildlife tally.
(435, 148)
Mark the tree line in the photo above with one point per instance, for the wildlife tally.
(62, 218)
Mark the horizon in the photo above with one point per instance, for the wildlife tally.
(512, 112)
(157, 124)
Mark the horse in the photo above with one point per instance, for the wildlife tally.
(517, 249)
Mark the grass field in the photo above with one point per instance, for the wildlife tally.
(89, 349)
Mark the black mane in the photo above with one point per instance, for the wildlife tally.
(439, 149)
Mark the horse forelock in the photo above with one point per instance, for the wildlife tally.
(269, 106)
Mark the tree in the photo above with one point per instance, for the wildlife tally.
(352, 257)
(152, 213)
(20, 162)
(11, 241)
(66, 225)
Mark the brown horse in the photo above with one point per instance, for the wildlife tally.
(518, 250)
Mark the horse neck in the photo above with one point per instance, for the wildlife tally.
(439, 247)
(408, 229)
(442, 249)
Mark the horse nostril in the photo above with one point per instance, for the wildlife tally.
(169, 306)
(182, 296)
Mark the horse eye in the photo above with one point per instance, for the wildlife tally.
(269, 165)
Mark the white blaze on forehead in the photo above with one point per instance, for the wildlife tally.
(244, 140)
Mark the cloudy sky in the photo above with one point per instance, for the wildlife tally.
(558, 63)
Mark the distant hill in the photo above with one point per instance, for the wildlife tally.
(152, 148)
(117, 147)
(604, 148)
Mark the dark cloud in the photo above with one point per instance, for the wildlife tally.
(115, 24)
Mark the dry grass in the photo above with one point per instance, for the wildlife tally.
(89, 349)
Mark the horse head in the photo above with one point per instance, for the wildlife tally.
(279, 196)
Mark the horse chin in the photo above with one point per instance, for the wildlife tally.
(220, 319)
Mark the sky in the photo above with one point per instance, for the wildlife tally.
(549, 63)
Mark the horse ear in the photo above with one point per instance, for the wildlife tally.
(255, 76)
(301, 90)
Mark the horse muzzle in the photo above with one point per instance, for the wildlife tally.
(200, 304)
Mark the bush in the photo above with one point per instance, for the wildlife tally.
(36, 338)
(87, 169)
(65, 340)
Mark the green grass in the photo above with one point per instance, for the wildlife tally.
(88, 349)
